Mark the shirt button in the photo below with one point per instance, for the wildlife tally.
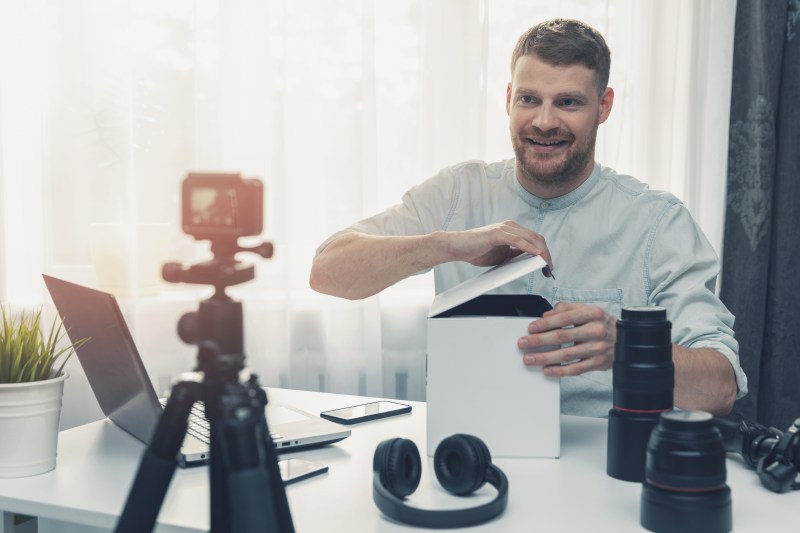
(545, 205)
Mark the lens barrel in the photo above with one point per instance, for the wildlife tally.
(684, 489)
(643, 381)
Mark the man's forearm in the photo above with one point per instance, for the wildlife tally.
(357, 265)
(704, 380)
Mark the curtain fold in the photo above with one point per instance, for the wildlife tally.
(762, 249)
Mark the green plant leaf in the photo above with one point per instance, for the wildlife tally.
(26, 354)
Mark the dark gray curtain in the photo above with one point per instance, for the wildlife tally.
(761, 254)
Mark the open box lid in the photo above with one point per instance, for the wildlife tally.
(485, 282)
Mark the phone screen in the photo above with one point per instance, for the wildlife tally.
(367, 411)
(293, 470)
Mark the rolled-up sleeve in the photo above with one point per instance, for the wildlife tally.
(681, 270)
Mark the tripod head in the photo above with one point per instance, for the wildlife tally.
(774, 454)
(219, 318)
(222, 271)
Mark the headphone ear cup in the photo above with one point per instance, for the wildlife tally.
(398, 465)
(460, 463)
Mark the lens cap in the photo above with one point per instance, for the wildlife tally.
(644, 314)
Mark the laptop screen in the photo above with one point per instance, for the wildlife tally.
(109, 358)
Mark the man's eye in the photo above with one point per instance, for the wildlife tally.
(526, 99)
(572, 102)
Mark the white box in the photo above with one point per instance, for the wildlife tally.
(476, 380)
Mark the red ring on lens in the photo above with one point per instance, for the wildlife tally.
(684, 489)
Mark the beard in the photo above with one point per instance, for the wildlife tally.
(553, 169)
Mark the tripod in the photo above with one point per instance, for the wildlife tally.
(246, 491)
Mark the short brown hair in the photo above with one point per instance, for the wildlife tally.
(566, 42)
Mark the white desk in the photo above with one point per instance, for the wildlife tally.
(97, 462)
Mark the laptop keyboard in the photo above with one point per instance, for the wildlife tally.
(198, 425)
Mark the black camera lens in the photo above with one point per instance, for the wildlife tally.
(684, 489)
(643, 381)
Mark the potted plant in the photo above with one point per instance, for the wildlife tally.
(31, 387)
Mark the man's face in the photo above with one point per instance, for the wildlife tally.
(554, 112)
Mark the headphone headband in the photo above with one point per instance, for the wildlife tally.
(397, 509)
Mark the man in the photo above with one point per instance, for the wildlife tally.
(616, 243)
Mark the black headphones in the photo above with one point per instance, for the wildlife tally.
(462, 464)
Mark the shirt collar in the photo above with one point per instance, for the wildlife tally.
(560, 202)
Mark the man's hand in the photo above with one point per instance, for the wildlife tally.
(493, 244)
(589, 331)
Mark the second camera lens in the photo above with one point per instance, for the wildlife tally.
(684, 489)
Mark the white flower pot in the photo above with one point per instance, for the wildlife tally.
(29, 414)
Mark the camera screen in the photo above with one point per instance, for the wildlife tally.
(220, 206)
(213, 207)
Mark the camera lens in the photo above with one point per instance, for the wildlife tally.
(643, 382)
(684, 489)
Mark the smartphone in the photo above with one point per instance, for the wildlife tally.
(365, 412)
(294, 470)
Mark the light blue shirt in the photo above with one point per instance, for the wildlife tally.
(613, 242)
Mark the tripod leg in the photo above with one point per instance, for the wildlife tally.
(159, 461)
(218, 493)
(256, 495)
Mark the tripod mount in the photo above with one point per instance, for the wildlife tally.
(246, 491)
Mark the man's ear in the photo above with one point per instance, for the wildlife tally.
(606, 103)
(508, 98)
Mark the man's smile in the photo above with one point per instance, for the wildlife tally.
(547, 145)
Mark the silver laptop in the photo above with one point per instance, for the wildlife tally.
(125, 393)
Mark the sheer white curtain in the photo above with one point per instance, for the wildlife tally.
(338, 107)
